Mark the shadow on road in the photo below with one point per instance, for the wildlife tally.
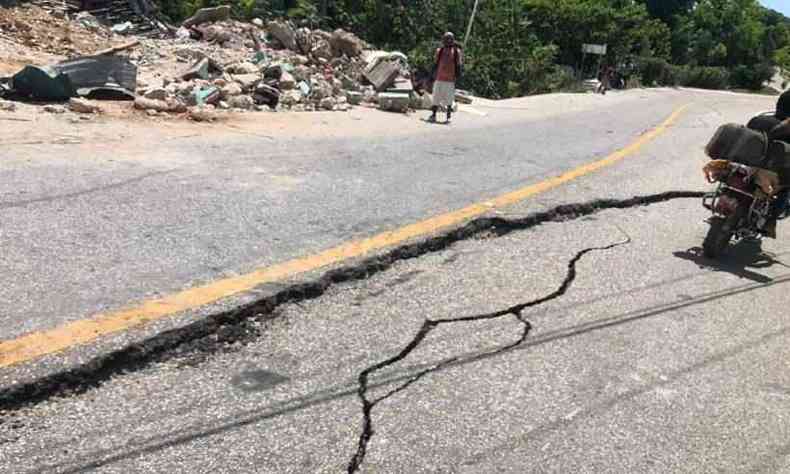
(740, 260)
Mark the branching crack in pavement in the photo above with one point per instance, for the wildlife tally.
(429, 325)
(220, 331)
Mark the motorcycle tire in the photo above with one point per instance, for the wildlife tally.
(719, 236)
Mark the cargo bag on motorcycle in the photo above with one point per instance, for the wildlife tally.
(736, 143)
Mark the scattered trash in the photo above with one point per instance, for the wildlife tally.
(123, 28)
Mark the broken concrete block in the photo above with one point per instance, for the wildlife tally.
(231, 90)
(345, 43)
(257, 22)
(383, 75)
(322, 50)
(284, 33)
(243, 102)
(202, 114)
(242, 68)
(247, 81)
(287, 81)
(157, 94)
(291, 98)
(54, 109)
(328, 103)
(82, 106)
(208, 15)
(354, 98)
(159, 105)
(267, 95)
(7, 106)
(304, 40)
(199, 70)
(394, 102)
(463, 97)
(210, 95)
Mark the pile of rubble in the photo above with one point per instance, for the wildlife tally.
(251, 66)
(39, 30)
(214, 63)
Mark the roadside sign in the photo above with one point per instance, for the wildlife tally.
(599, 49)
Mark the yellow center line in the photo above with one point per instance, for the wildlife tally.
(37, 344)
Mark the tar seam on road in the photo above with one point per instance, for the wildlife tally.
(38, 344)
(430, 324)
(219, 332)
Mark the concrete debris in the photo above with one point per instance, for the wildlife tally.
(354, 98)
(202, 114)
(284, 33)
(345, 43)
(248, 81)
(328, 103)
(243, 102)
(169, 106)
(157, 94)
(54, 109)
(199, 70)
(394, 102)
(287, 81)
(215, 60)
(122, 28)
(82, 106)
(7, 106)
(88, 21)
(231, 90)
(242, 68)
(463, 97)
(208, 15)
(383, 75)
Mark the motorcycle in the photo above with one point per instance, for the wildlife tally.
(740, 205)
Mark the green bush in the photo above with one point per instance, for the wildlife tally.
(751, 77)
(656, 72)
(704, 77)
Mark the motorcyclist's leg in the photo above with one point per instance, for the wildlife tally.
(778, 208)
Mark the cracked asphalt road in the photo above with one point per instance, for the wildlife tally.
(652, 360)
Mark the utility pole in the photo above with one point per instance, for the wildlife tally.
(469, 26)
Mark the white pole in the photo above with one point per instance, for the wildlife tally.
(469, 26)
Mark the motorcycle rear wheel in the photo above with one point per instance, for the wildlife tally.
(719, 236)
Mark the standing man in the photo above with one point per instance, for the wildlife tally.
(447, 68)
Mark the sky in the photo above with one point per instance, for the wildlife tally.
(778, 5)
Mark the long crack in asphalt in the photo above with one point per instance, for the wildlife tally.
(429, 325)
(219, 332)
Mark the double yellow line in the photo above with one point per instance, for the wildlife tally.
(38, 344)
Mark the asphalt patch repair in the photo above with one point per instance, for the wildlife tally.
(197, 341)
